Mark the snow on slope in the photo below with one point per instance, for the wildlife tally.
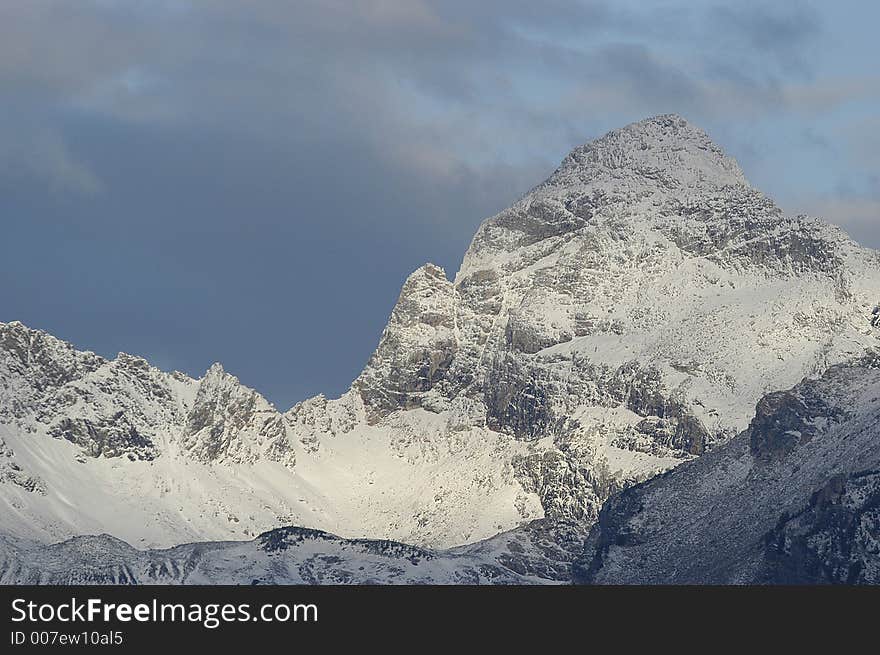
(414, 483)
(535, 554)
(623, 317)
(793, 499)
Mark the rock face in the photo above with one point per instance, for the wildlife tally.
(107, 408)
(645, 273)
(12, 473)
(792, 500)
(416, 348)
(125, 407)
(623, 317)
(786, 419)
(230, 422)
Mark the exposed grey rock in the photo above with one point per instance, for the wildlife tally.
(231, 422)
(111, 437)
(316, 417)
(785, 419)
(42, 362)
(620, 213)
(416, 348)
(12, 473)
(124, 406)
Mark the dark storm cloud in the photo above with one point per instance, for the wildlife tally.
(252, 181)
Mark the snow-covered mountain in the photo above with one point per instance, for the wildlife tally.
(623, 317)
(539, 553)
(794, 499)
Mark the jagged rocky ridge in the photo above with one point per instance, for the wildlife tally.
(623, 317)
(793, 499)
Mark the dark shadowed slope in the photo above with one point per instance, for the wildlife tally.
(793, 499)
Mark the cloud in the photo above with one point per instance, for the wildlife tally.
(484, 71)
(858, 216)
(784, 33)
(214, 166)
(862, 139)
(44, 155)
(831, 94)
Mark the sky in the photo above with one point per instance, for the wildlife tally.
(251, 182)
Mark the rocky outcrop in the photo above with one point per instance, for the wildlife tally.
(126, 408)
(11, 472)
(111, 436)
(416, 348)
(33, 364)
(317, 417)
(785, 419)
(109, 408)
(230, 422)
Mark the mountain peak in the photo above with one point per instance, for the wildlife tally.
(665, 149)
(673, 121)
